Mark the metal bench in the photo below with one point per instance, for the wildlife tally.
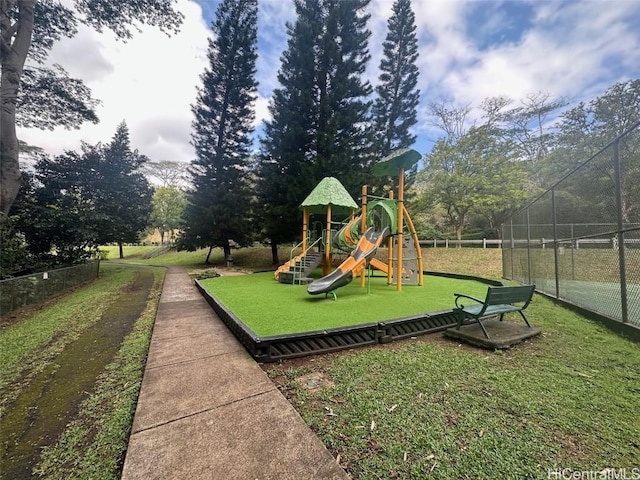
(499, 300)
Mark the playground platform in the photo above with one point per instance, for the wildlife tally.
(207, 410)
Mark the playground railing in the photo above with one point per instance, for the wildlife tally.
(297, 267)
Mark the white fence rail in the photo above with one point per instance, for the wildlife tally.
(482, 243)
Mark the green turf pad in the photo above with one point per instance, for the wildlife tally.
(271, 308)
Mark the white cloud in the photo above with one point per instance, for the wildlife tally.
(569, 48)
(262, 110)
(149, 82)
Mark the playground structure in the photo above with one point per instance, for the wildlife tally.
(378, 219)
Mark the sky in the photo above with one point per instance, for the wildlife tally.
(469, 50)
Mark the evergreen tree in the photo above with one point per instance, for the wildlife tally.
(288, 145)
(394, 110)
(319, 115)
(219, 204)
(343, 142)
(125, 197)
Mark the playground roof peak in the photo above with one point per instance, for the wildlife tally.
(329, 192)
(392, 163)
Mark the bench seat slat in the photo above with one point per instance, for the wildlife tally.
(491, 309)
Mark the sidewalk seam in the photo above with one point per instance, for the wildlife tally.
(169, 422)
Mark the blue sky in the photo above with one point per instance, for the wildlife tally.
(469, 50)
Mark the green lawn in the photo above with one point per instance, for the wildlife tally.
(431, 408)
(112, 252)
(423, 408)
(93, 443)
(272, 308)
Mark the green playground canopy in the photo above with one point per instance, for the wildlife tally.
(329, 192)
(392, 163)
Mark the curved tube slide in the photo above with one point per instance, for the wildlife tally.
(353, 265)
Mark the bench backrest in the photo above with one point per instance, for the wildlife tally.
(510, 295)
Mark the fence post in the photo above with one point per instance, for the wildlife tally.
(512, 247)
(621, 249)
(528, 246)
(555, 241)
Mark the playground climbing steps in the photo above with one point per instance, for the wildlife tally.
(298, 269)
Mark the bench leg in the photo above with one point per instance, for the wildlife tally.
(524, 318)
(501, 316)
(484, 330)
(459, 318)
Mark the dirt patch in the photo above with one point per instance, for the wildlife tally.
(51, 400)
(315, 381)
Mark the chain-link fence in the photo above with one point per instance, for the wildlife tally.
(29, 289)
(580, 240)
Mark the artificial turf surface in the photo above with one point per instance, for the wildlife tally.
(271, 308)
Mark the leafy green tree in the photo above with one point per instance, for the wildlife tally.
(320, 115)
(78, 200)
(477, 174)
(169, 205)
(526, 125)
(583, 131)
(35, 95)
(394, 111)
(219, 204)
(57, 211)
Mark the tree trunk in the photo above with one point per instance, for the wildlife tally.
(121, 250)
(227, 250)
(274, 253)
(208, 255)
(13, 56)
(459, 229)
(161, 238)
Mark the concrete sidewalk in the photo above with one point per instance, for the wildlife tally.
(206, 409)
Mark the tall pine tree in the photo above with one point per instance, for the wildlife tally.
(125, 197)
(219, 204)
(288, 145)
(343, 141)
(394, 110)
(319, 115)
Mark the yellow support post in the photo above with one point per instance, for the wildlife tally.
(326, 268)
(416, 242)
(390, 252)
(400, 228)
(363, 227)
(305, 228)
